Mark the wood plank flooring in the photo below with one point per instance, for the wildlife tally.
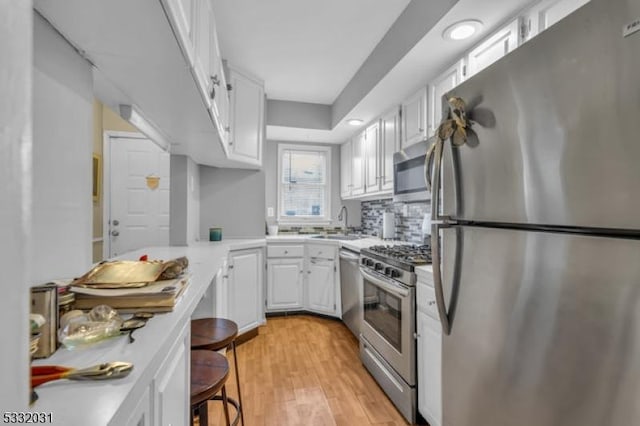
(305, 370)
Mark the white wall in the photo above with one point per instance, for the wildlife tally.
(62, 165)
(184, 202)
(233, 199)
(271, 187)
(15, 199)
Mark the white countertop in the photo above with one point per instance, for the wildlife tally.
(96, 403)
(355, 245)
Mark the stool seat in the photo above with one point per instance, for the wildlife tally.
(209, 373)
(212, 334)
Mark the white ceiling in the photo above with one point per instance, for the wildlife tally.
(304, 50)
(307, 50)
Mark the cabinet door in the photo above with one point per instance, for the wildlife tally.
(245, 288)
(202, 58)
(441, 85)
(345, 169)
(284, 284)
(246, 118)
(546, 13)
(171, 398)
(390, 143)
(414, 118)
(357, 173)
(429, 369)
(372, 150)
(220, 102)
(141, 414)
(321, 289)
(494, 48)
(182, 15)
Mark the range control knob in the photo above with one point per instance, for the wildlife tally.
(369, 262)
(378, 266)
(395, 273)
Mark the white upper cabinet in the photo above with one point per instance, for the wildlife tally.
(390, 143)
(182, 14)
(414, 118)
(492, 49)
(358, 158)
(202, 60)
(345, 169)
(546, 13)
(219, 93)
(372, 166)
(438, 87)
(246, 118)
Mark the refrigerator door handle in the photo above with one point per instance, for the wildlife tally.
(427, 165)
(438, 222)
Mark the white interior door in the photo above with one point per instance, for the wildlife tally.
(138, 203)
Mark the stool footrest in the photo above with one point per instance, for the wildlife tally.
(235, 404)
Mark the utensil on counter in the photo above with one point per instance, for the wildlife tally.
(110, 370)
(138, 320)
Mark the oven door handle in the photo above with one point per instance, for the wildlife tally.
(391, 287)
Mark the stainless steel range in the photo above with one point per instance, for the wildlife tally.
(388, 342)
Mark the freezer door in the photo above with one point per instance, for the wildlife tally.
(545, 329)
(557, 132)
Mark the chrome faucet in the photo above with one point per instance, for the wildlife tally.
(346, 213)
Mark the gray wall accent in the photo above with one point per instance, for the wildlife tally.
(298, 114)
(410, 27)
(178, 205)
(184, 210)
(271, 186)
(16, 45)
(233, 199)
(61, 209)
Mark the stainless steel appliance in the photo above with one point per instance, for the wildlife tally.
(408, 173)
(538, 277)
(387, 342)
(351, 290)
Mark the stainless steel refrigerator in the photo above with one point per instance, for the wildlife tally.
(538, 232)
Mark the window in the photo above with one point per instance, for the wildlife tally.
(304, 183)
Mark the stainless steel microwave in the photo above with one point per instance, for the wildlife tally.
(409, 183)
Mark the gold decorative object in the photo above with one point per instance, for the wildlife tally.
(153, 182)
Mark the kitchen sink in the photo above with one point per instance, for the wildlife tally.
(338, 237)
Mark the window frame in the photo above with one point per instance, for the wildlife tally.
(307, 220)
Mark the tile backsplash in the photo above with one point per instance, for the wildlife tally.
(408, 218)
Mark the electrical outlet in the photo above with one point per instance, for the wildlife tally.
(269, 211)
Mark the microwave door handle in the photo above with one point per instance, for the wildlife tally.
(391, 288)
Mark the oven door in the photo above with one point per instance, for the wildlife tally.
(389, 322)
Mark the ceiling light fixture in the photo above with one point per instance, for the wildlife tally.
(147, 128)
(354, 122)
(462, 30)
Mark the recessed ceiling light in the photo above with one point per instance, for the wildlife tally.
(462, 30)
(355, 121)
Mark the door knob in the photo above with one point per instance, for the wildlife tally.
(115, 233)
(116, 222)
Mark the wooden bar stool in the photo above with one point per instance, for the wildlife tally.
(213, 334)
(209, 373)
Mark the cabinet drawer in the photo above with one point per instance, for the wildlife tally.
(426, 300)
(322, 251)
(285, 251)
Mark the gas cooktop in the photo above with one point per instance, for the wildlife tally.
(409, 254)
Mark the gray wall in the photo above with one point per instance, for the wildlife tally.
(233, 199)
(15, 195)
(184, 214)
(62, 144)
(298, 114)
(271, 187)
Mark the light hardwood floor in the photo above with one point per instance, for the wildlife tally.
(305, 370)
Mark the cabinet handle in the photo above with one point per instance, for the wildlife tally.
(215, 80)
(286, 252)
(227, 129)
(301, 271)
(212, 94)
(420, 129)
(230, 266)
(225, 276)
(432, 302)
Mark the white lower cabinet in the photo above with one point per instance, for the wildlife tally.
(321, 286)
(171, 384)
(141, 414)
(429, 368)
(285, 284)
(244, 288)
